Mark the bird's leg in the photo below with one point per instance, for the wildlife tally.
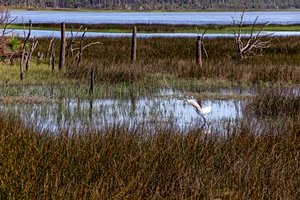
(203, 120)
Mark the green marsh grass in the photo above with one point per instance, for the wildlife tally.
(160, 28)
(161, 63)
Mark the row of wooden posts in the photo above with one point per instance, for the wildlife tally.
(132, 54)
(62, 53)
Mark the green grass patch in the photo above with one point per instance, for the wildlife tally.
(158, 28)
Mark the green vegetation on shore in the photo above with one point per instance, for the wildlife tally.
(158, 28)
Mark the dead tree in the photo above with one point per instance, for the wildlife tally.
(77, 52)
(29, 54)
(255, 41)
(80, 52)
(5, 21)
(26, 38)
(49, 51)
(75, 49)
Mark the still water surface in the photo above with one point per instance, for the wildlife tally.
(57, 34)
(199, 18)
(76, 114)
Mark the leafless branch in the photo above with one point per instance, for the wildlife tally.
(255, 41)
(5, 21)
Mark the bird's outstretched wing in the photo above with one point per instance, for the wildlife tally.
(194, 103)
(206, 110)
(199, 110)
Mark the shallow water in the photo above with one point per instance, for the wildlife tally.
(199, 18)
(75, 114)
(166, 108)
(57, 34)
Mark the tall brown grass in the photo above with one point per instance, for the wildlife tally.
(122, 163)
(176, 57)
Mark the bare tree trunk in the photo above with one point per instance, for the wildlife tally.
(80, 53)
(62, 52)
(26, 38)
(133, 45)
(28, 58)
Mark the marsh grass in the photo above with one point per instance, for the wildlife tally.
(161, 28)
(274, 103)
(122, 163)
(176, 57)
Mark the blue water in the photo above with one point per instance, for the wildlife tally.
(98, 114)
(56, 34)
(199, 18)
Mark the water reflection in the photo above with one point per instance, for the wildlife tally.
(199, 18)
(56, 34)
(75, 114)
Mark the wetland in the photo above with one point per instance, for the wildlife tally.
(135, 136)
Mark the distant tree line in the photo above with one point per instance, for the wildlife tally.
(155, 4)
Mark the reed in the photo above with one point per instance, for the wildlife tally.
(123, 163)
(176, 57)
(274, 103)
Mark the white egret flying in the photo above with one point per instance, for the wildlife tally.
(199, 110)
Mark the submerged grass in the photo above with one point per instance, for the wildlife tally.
(119, 163)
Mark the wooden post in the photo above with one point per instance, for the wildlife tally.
(92, 77)
(198, 52)
(133, 45)
(62, 52)
(21, 65)
(52, 57)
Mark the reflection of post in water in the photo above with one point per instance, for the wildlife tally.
(237, 110)
(59, 113)
(78, 107)
(91, 110)
(133, 103)
(51, 90)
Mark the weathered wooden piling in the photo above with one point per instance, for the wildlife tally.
(92, 79)
(52, 57)
(198, 52)
(62, 52)
(133, 45)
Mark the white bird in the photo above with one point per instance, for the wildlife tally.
(199, 110)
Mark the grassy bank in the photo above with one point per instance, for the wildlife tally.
(119, 163)
(159, 28)
(176, 57)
